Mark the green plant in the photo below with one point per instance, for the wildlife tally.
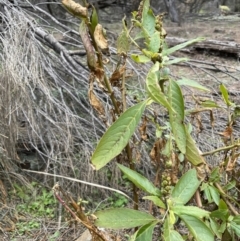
(173, 145)
(36, 203)
(27, 227)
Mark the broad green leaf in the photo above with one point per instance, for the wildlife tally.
(222, 205)
(191, 83)
(156, 200)
(140, 181)
(169, 234)
(140, 58)
(174, 61)
(145, 233)
(154, 42)
(222, 212)
(190, 210)
(192, 152)
(176, 115)
(225, 96)
(117, 136)
(154, 89)
(198, 228)
(236, 228)
(181, 46)
(215, 194)
(119, 218)
(148, 19)
(185, 187)
(215, 228)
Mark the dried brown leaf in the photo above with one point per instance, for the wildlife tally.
(75, 8)
(117, 75)
(95, 102)
(100, 38)
(227, 132)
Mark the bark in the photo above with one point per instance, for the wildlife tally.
(172, 11)
(229, 47)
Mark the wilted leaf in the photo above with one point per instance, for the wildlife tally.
(140, 58)
(100, 38)
(123, 42)
(95, 102)
(117, 75)
(117, 136)
(119, 218)
(75, 8)
(140, 181)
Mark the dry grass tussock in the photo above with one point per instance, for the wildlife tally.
(44, 107)
(47, 122)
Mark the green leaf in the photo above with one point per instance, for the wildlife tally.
(154, 42)
(154, 89)
(235, 227)
(215, 175)
(169, 51)
(191, 83)
(209, 103)
(185, 187)
(174, 61)
(156, 200)
(192, 152)
(140, 58)
(119, 218)
(225, 96)
(222, 212)
(148, 19)
(215, 228)
(205, 189)
(145, 233)
(169, 234)
(176, 115)
(236, 219)
(190, 210)
(198, 228)
(140, 181)
(117, 136)
(123, 42)
(93, 19)
(215, 194)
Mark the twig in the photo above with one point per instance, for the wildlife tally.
(220, 149)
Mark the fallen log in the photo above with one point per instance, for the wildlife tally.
(227, 47)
